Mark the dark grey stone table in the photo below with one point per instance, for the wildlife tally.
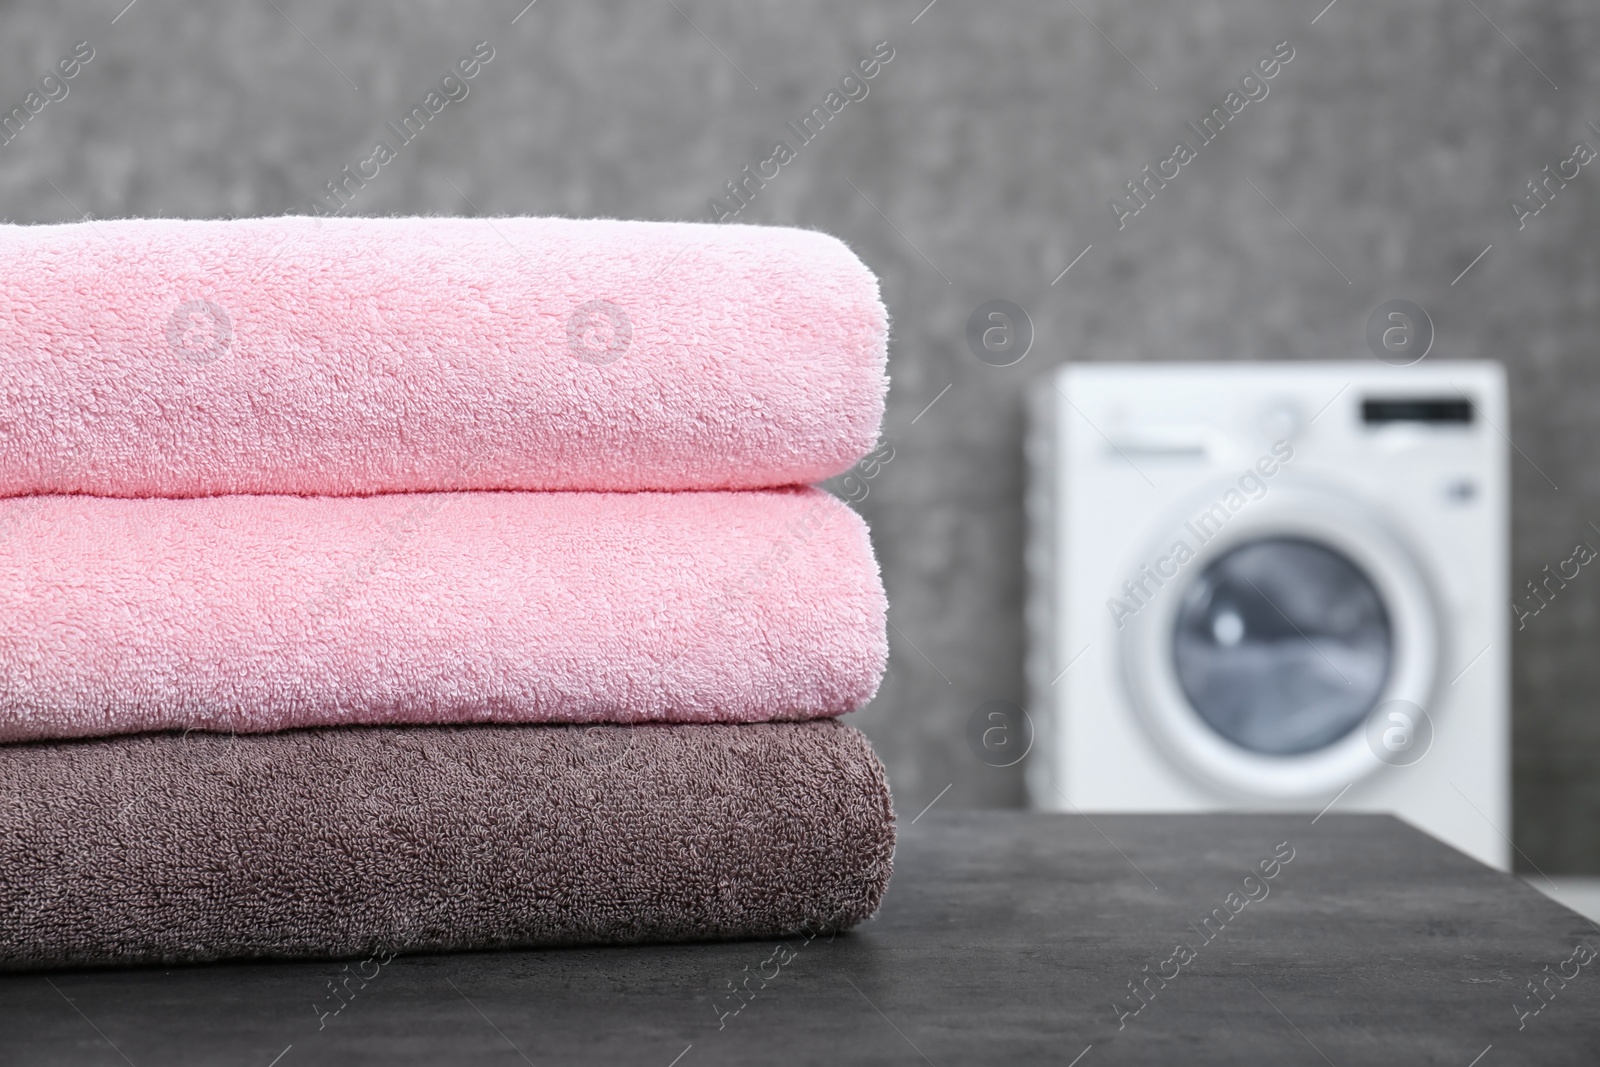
(1005, 938)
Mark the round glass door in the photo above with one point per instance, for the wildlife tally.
(1282, 646)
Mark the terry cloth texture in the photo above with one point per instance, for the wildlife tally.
(353, 356)
(257, 613)
(165, 848)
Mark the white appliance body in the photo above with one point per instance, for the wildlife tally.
(1268, 586)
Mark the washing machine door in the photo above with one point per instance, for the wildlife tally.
(1260, 661)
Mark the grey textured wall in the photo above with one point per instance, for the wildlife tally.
(982, 161)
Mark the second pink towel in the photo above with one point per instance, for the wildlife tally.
(257, 613)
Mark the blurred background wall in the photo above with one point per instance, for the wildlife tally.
(979, 166)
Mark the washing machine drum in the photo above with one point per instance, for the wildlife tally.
(1282, 646)
(1263, 664)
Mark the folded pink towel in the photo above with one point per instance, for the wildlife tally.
(256, 613)
(353, 356)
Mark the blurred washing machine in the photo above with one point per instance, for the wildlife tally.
(1273, 587)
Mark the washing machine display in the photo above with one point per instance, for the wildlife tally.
(1239, 570)
(1282, 646)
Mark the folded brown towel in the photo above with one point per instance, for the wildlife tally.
(347, 842)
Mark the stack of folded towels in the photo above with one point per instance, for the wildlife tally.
(432, 584)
